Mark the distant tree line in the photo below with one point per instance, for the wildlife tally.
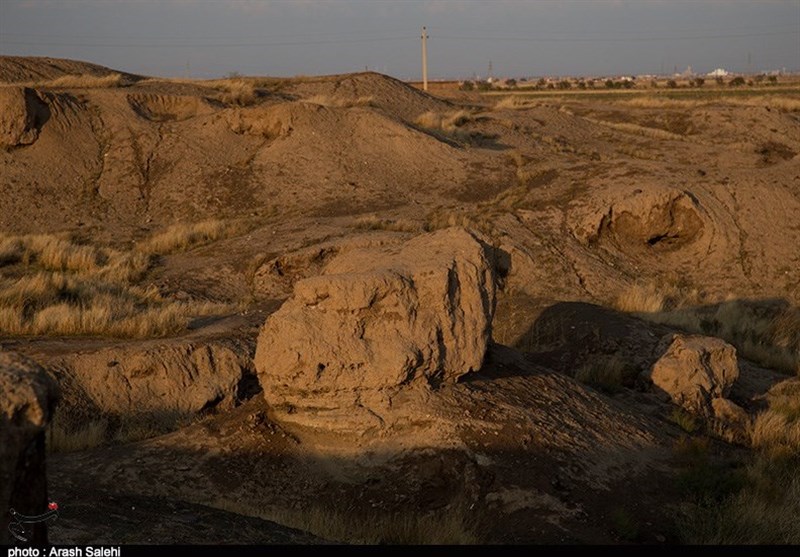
(580, 83)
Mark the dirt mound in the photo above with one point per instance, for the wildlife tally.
(275, 121)
(381, 91)
(22, 113)
(762, 135)
(24, 69)
(123, 160)
(165, 108)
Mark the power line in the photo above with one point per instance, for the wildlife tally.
(610, 39)
(398, 38)
(204, 45)
(184, 37)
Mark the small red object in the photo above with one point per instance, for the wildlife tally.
(53, 506)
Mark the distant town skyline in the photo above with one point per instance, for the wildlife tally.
(206, 38)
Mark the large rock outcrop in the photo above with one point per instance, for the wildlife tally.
(694, 370)
(376, 321)
(27, 399)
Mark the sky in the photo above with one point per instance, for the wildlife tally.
(212, 38)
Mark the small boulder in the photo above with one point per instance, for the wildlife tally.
(693, 370)
(27, 400)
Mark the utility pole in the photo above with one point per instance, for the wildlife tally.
(424, 59)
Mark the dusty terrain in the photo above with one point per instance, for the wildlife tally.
(482, 296)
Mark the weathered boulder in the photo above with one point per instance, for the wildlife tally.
(693, 370)
(18, 110)
(155, 377)
(27, 398)
(378, 319)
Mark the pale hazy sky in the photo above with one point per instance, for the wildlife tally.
(306, 37)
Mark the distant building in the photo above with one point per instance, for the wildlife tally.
(719, 72)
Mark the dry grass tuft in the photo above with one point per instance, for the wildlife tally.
(626, 127)
(607, 373)
(777, 429)
(445, 218)
(395, 225)
(764, 511)
(445, 122)
(452, 525)
(69, 435)
(61, 304)
(662, 102)
(640, 298)
(514, 102)
(180, 237)
(765, 508)
(52, 285)
(238, 92)
(88, 435)
(761, 332)
(783, 103)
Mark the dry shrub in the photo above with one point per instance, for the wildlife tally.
(395, 225)
(84, 81)
(237, 91)
(448, 122)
